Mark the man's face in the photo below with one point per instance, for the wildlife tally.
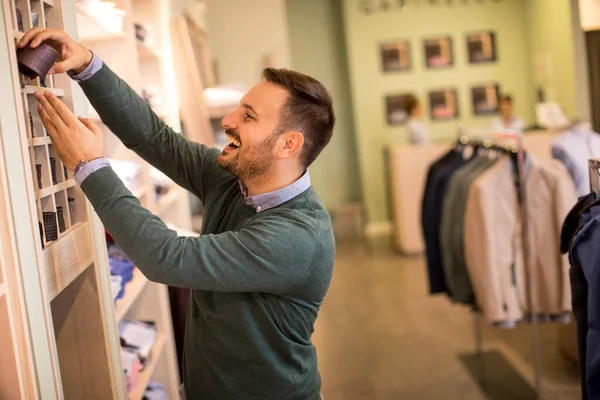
(250, 132)
(506, 108)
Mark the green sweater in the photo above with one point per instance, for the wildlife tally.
(257, 279)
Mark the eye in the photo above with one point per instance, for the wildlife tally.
(248, 116)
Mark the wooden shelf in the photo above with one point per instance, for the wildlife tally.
(2, 290)
(18, 34)
(146, 52)
(28, 89)
(49, 2)
(133, 289)
(144, 377)
(66, 258)
(141, 191)
(167, 200)
(94, 29)
(220, 112)
(40, 141)
(55, 188)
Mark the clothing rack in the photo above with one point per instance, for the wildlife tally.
(495, 142)
(594, 167)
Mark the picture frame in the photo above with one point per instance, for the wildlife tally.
(396, 56)
(481, 47)
(396, 108)
(443, 104)
(485, 99)
(438, 52)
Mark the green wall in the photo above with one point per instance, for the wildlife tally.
(550, 39)
(364, 34)
(317, 48)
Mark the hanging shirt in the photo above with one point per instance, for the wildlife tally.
(498, 124)
(418, 132)
(573, 149)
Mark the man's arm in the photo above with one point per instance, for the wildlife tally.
(132, 120)
(128, 115)
(269, 255)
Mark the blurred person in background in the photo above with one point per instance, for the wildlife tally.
(506, 119)
(417, 130)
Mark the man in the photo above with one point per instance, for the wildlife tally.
(263, 265)
(506, 119)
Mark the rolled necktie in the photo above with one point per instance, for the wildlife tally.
(50, 226)
(36, 62)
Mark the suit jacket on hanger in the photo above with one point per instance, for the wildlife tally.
(493, 240)
(451, 233)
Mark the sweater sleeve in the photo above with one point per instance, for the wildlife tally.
(130, 118)
(270, 254)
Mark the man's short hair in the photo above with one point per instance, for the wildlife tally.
(308, 110)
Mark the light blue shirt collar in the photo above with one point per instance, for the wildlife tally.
(265, 201)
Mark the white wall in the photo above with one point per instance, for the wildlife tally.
(246, 35)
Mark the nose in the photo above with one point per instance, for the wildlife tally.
(228, 122)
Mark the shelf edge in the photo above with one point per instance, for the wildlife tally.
(133, 289)
(28, 89)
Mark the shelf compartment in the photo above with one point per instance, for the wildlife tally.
(30, 89)
(66, 258)
(40, 169)
(55, 188)
(137, 393)
(80, 334)
(133, 289)
(167, 200)
(147, 53)
(94, 29)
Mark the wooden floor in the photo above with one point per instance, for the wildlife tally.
(379, 336)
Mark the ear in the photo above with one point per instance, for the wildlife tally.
(289, 144)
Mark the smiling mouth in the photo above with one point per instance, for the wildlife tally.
(233, 142)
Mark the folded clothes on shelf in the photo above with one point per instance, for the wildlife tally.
(131, 366)
(116, 287)
(138, 336)
(120, 265)
(155, 391)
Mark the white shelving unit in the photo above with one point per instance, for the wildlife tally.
(58, 335)
(145, 67)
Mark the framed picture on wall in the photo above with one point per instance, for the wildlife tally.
(395, 56)
(396, 108)
(443, 104)
(484, 99)
(481, 47)
(438, 52)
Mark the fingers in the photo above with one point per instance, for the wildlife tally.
(28, 37)
(59, 67)
(89, 124)
(63, 111)
(52, 131)
(51, 112)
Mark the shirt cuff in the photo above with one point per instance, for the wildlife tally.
(89, 168)
(93, 67)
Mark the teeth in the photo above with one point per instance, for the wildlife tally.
(233, 140)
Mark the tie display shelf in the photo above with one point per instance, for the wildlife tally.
(61, 340)
(146, 65)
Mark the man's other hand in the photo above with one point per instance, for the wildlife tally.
(73, 56)
(74, 139)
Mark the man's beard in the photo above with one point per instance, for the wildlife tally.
(249, 162)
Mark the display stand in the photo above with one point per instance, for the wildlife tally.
(59, 273)
(147, 67)
(59, 336)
